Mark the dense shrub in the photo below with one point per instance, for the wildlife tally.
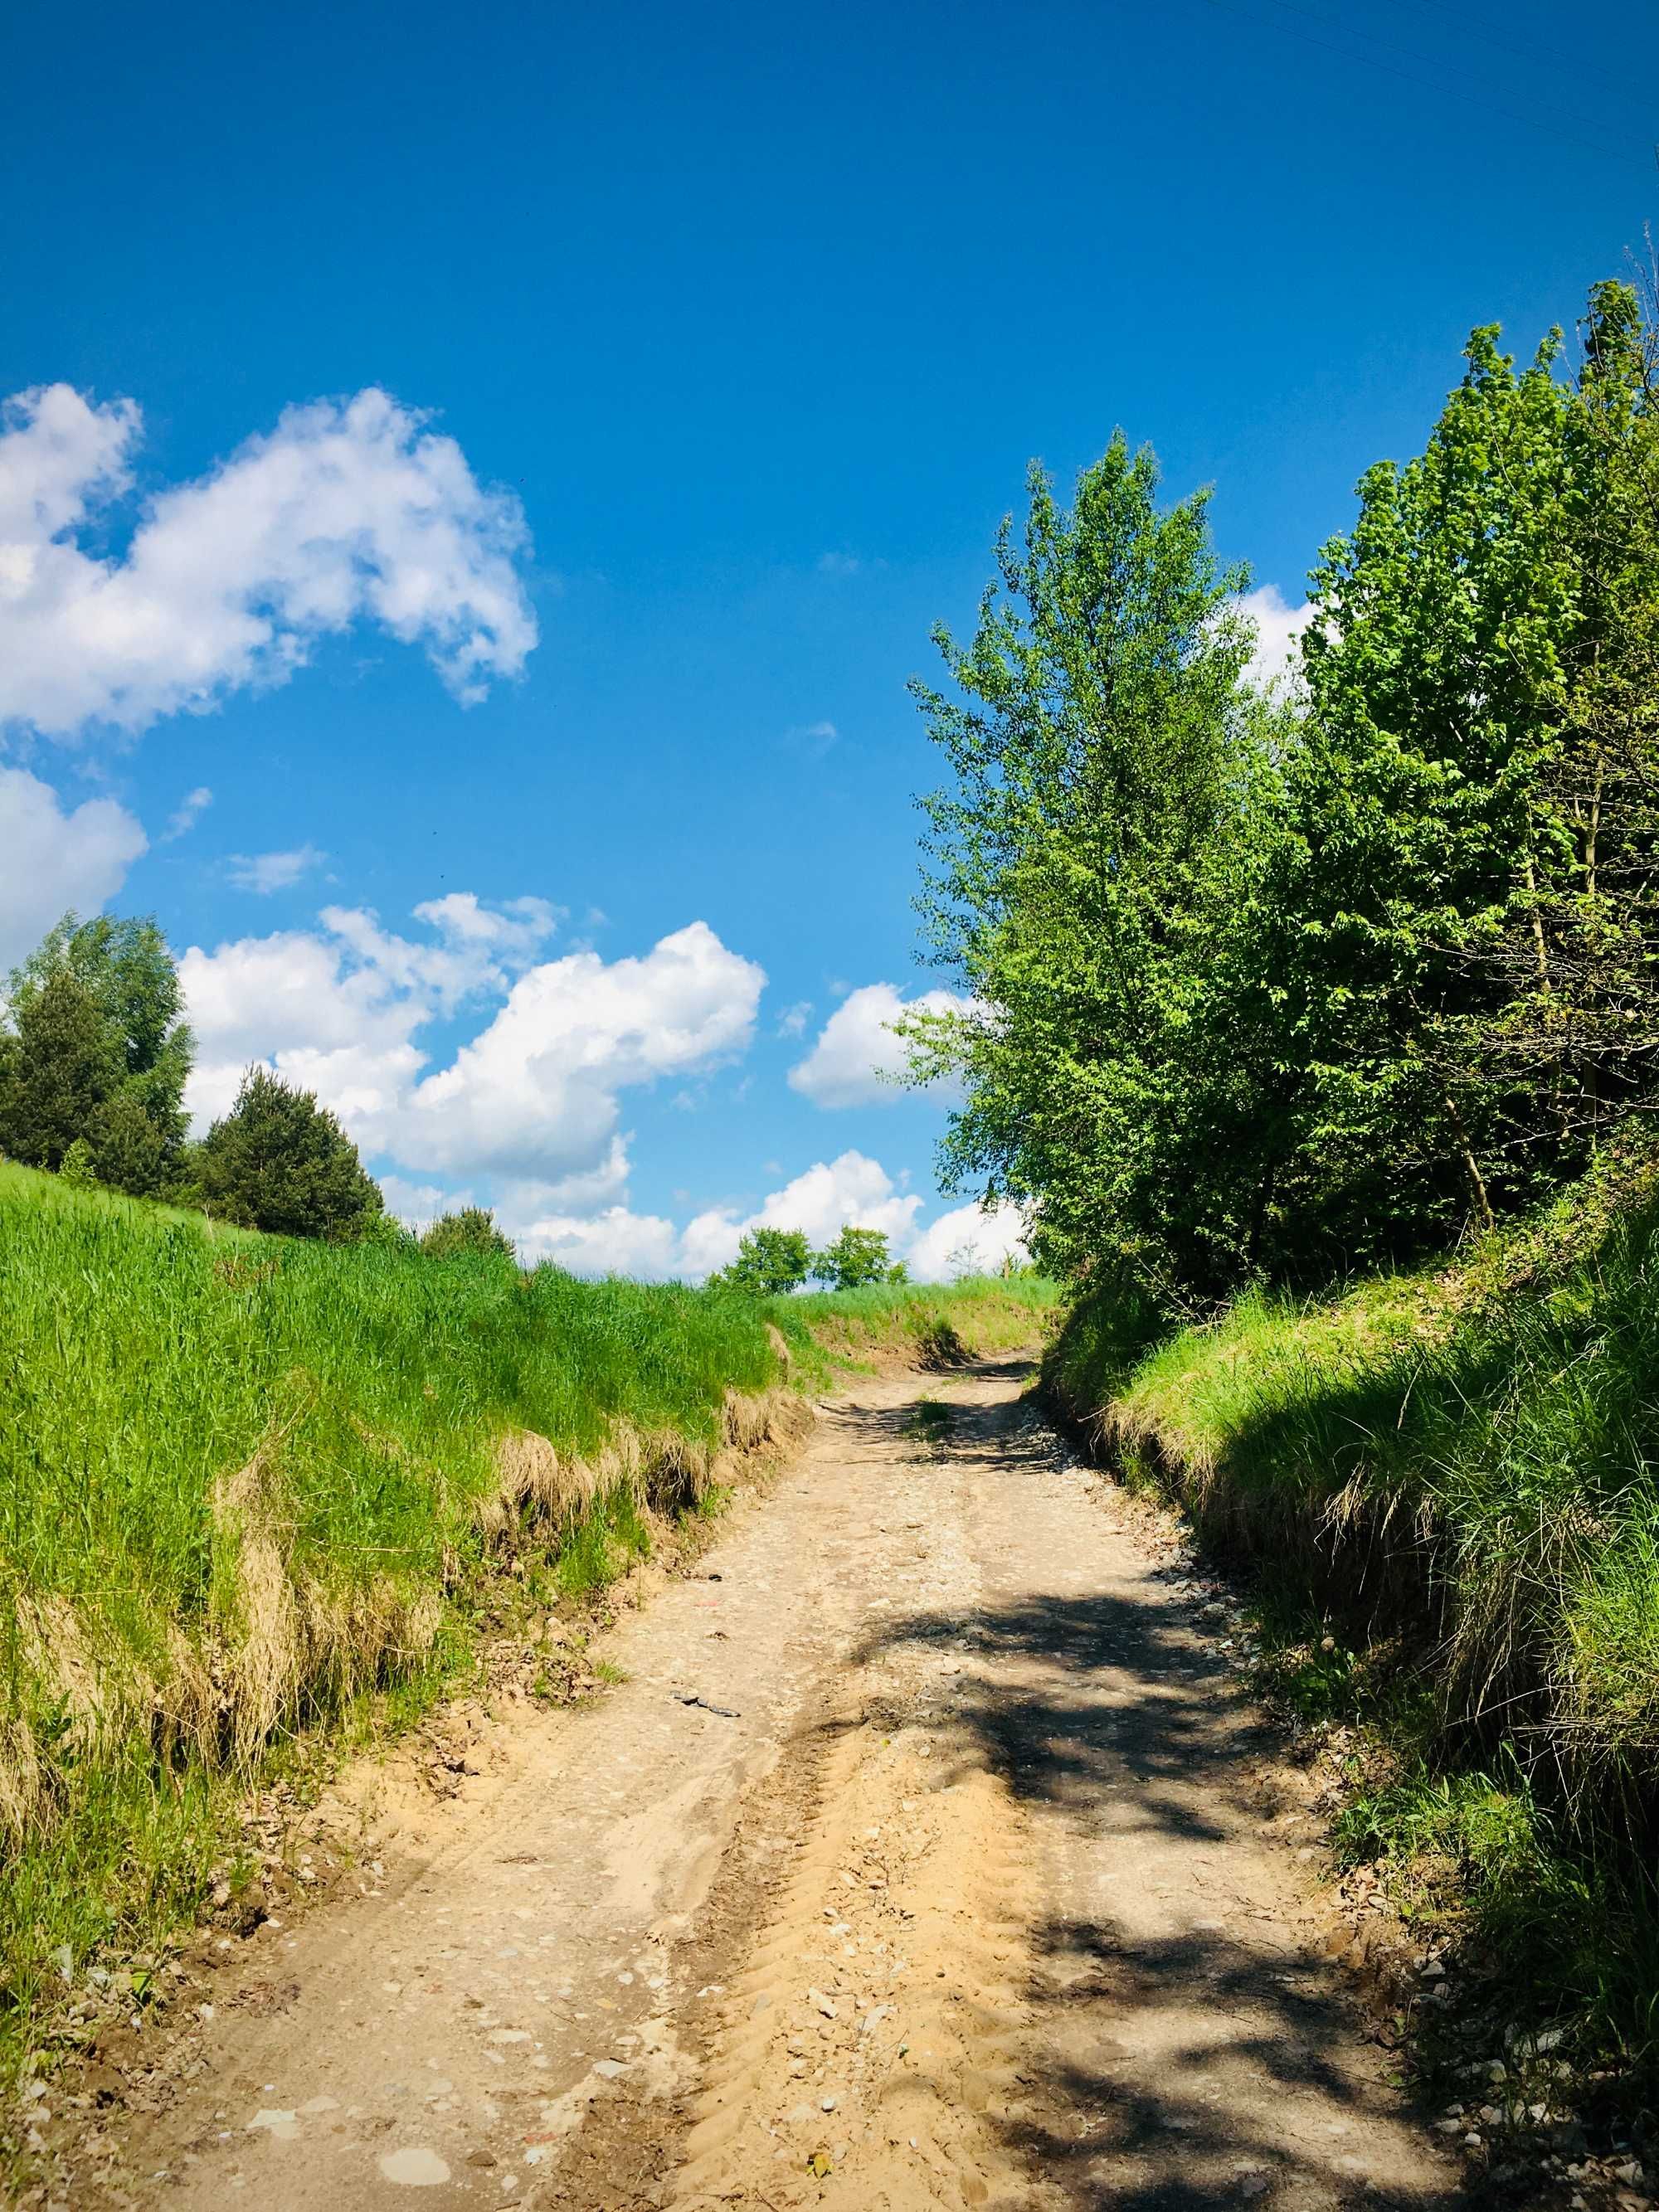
(472, 1229)
(280, 1161)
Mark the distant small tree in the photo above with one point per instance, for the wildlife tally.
(770, 1263)
(858, 1257)
(77, 1170)
(278, 1161)
(472, 1229)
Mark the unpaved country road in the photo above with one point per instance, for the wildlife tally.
(952, 1889)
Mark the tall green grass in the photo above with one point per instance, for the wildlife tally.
(924, 1324)
(246, 1483)
(244, 1480)
(1455, 1471)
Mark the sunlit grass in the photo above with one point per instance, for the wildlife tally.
(251, 1492)
(1445, 1484)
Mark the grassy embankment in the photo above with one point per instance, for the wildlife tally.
(1446, 1485)
(928, 1325)
(251, 1488)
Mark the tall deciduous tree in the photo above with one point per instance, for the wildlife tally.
(1101, 745)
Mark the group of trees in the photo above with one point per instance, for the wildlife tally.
(95, 1054)
(94, 1059)
(1276, 981)
(772, 1262)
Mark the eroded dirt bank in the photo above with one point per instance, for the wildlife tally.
(919, 1860)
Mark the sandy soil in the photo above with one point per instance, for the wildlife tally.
(928, 1856)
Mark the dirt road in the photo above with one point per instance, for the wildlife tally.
(922, 1859)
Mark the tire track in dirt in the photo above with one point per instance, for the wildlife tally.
(872, 2034)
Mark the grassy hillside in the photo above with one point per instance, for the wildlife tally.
(245, 1481)
(918, 1324)
(1447, 1484)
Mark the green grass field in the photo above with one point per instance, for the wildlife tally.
(1451, 1476)
(249, 1486)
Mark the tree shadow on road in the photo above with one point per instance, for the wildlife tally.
(1188, 2051)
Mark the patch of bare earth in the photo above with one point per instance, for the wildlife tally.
(929, 1855)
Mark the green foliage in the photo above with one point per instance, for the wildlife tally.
(96, 1049)
(1281, 987)
(770, 1263)
(280, 1161)
(77, 1168)
(1101, 748)
(58, 1066)
(471, 1229)
(855, 1258)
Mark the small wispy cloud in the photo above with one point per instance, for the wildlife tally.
(188, 812)
(839, 564)
(792, 1022)
(812, 739)
(264, 873)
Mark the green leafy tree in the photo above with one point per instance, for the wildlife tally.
(770, 1263)
(1453, 937)
(856, 1257)
(1102, 747)
(280, 1161)
(472, 1229)
(122, 971)
(1575, 966)
(1280, 985)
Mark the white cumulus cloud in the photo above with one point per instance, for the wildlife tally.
(529, 1102)
(969, 1240)
(52, 858)
(857, 1055)
(346, 511)
(536, 1091)
(825, 1198)
(1278, 626)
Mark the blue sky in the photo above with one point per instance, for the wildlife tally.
(741, 326)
